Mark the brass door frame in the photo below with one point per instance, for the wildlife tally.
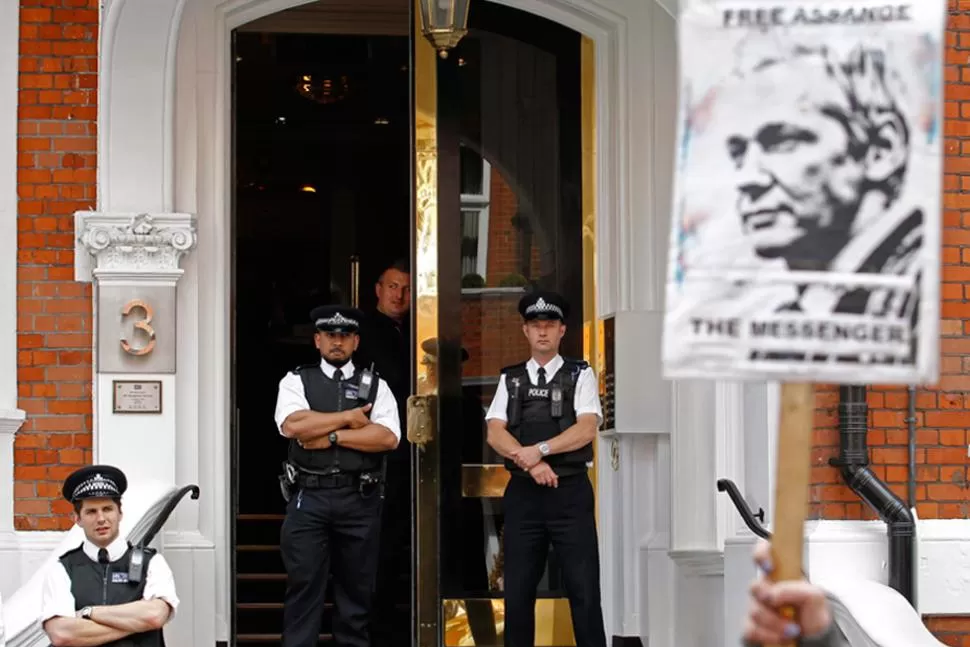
(422, 409)
(430, 323)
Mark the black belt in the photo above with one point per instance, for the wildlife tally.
(340, 479)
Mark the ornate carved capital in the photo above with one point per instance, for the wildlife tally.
(133, 244)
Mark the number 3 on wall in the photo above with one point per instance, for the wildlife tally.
(145, 325)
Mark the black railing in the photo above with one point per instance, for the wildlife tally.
(751, 519)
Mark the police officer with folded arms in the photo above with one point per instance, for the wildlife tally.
(105, 591)
(543, 421)
(341, 420)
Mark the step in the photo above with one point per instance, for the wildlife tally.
(261, 533)
(267, 618)
(259, 516)
(256, 558)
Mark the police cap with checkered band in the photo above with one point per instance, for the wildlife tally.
(543, 305)
(336, 318)
(95, 482)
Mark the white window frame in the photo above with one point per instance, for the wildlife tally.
(481, 202)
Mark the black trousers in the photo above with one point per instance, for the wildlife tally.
(330, 528)
(392, 596)
(535, 517)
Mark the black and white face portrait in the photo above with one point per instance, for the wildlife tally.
(806, 214)
(809, 139)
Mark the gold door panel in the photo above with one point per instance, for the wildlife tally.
(484, 481)
(553, 621)
(498, 123)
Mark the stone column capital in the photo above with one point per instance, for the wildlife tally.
(132, 246)
(11, 420)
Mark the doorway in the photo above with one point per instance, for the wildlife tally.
(330, 134)
(322, 132)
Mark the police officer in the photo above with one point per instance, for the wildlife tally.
(543, 420)
(341, 420)
(105, 592)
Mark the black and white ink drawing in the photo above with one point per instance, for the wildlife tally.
(806, 218)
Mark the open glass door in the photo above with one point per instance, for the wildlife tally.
(503, 203)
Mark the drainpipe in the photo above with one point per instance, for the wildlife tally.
(911, 437)
(853, 460)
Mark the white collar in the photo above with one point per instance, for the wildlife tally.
(329, 369)
(116, 549)
(551, 366)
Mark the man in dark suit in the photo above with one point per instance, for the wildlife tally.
(386, 343)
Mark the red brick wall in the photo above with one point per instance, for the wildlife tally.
(492, 333)
(943, 411)
(56, 176)
(954, 631)
(504, 237)
(491, 325)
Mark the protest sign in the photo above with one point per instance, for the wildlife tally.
(805, 229)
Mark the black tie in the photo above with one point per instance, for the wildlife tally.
(103, 556)
(542, 376)
(338, 375)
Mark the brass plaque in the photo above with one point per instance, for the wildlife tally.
(421, 419)
(132, 396)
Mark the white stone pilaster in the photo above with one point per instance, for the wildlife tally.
(10, 422)
(134, 258)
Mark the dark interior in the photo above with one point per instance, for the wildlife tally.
(346, 135)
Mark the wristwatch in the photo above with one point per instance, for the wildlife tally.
(332, 437)
(86, 612)
(544, 449)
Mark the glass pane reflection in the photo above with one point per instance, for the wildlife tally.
(521, 183)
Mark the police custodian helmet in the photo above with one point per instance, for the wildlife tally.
(336, 319)
(95, 482)
(543, 305)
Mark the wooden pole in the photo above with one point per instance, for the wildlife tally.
(792, 480)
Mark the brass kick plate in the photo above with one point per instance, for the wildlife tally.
(484, 481)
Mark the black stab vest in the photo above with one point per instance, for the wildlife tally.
(95, 584)
(531, 420)
(326, 395)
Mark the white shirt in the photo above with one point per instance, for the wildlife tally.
(57, 599)
(586, 398)
(2, 639)
(292, 398)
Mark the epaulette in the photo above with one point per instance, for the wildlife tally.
(72, 551)
(149, 552)
(576, 364)
(299, 368)
(513, 367)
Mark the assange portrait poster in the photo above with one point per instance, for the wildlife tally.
(806, 214)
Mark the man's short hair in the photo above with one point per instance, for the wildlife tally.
(401, 265)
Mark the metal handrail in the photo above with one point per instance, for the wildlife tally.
(749, 517)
